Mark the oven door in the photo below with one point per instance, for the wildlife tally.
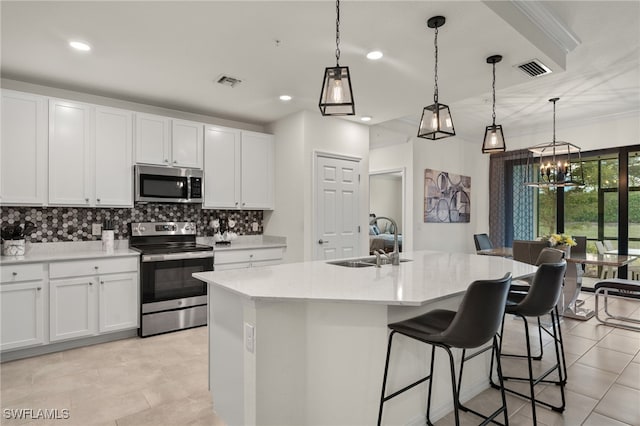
(171, 279)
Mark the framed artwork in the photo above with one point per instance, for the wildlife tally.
(447, 197)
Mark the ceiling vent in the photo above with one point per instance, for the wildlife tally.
(228, 81)
(534, 68)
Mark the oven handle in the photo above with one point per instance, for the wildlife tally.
(176, 256)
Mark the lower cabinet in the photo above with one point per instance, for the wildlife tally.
(93, 304)
(248, 258)
(22, 308)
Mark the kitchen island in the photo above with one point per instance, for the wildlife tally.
(305, 343)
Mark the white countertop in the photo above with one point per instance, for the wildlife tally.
(430, 276)
(77, 250)
(246, 242)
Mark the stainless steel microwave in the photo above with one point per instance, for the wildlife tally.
(167, 184)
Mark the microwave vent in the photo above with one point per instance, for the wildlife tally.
(227, 80)
(534, 68)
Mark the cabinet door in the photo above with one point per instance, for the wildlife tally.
(113, 158)
(257, 171)
(72, 308)
(23, 149)
(70, 153)
(22, 310)
(118, 302)
(152, 139)
(221, 168)
(186, 143)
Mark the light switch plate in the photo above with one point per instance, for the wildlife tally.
(96, 229)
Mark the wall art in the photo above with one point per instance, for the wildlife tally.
(447, 197)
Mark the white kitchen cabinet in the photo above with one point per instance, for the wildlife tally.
(113, 157)
(152, 139)
(23, 149)
(186, 143)
(168, 142)
(23, 292)
(239, 169)
(90, 149)
(105, 299)
(118, 302)
(70, 153)
(247, 258)
(72, 308)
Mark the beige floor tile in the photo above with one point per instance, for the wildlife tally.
(621, 343)
(590, 330)
(621, 403)
(589, 381)
(596, 419)
(606, 359)
(577, 345)
(576, 411)
(178, 412)
(630, 377)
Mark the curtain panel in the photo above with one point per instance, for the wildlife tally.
(511, 206)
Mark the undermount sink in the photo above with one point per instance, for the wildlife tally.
(363, 262)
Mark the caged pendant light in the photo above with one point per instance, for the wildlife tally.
(336, 97)
(553, 164)
(493, 137)
(436, 121)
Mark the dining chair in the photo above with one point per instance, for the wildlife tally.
(608, 245)
(607, 271)
(482, 242)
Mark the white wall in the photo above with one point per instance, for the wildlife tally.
(295, 162)
(385, 197)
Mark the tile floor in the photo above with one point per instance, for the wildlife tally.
(162, 380)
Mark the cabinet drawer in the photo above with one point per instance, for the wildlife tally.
(92, 267)
(234, 256)
(18, 273)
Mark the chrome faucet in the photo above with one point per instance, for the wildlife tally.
(395, 256)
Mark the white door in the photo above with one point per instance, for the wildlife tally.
(257, 171)
(118, 302)
(186, 143)
(70, 153)
(72, 308)
(337, 200)
(113, 158)
(221, 168)
(23, 149)
(22, 322)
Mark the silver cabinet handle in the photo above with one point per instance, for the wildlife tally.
(98, 200)
(175, 161)
(14, 274)
(166, 161)
(39, 288)
(244, 204)
(321, 241)
(236, 203)
(95, 267)
(102, 282)
(90, 283)
(86, 200)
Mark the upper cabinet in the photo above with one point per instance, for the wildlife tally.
(168, 142)
(239, 169)
(23, 149)
(89, 155)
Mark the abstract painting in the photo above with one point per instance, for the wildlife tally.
(447, 197)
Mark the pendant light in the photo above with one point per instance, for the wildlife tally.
(553, 164)
(436, 122)
(336, 97)
(493, 137)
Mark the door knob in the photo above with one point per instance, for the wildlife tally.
(321, 241)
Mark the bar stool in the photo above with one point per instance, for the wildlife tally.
(474, 324)
(541, 299)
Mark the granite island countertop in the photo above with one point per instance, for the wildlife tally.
(430, 276)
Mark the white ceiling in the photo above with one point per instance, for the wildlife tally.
(170, 53)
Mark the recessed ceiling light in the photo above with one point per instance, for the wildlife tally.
(365, 118)
(79, 45)
(285, 98)
(374, 55)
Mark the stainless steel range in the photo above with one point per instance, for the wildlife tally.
(171, 298)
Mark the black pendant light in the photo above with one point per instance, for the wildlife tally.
(493, 137)
(436, 121)
(554, 164)
(336, 97)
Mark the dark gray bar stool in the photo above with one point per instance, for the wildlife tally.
(474, 324)
(540, 299)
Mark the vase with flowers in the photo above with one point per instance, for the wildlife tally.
(560, 241)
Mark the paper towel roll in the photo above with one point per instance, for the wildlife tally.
(107, 241)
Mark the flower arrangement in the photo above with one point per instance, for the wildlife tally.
(558, 240)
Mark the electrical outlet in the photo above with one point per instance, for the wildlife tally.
(254, 226)
(250, 337)
(96, 229)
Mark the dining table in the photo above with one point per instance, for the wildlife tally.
(573, 278)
